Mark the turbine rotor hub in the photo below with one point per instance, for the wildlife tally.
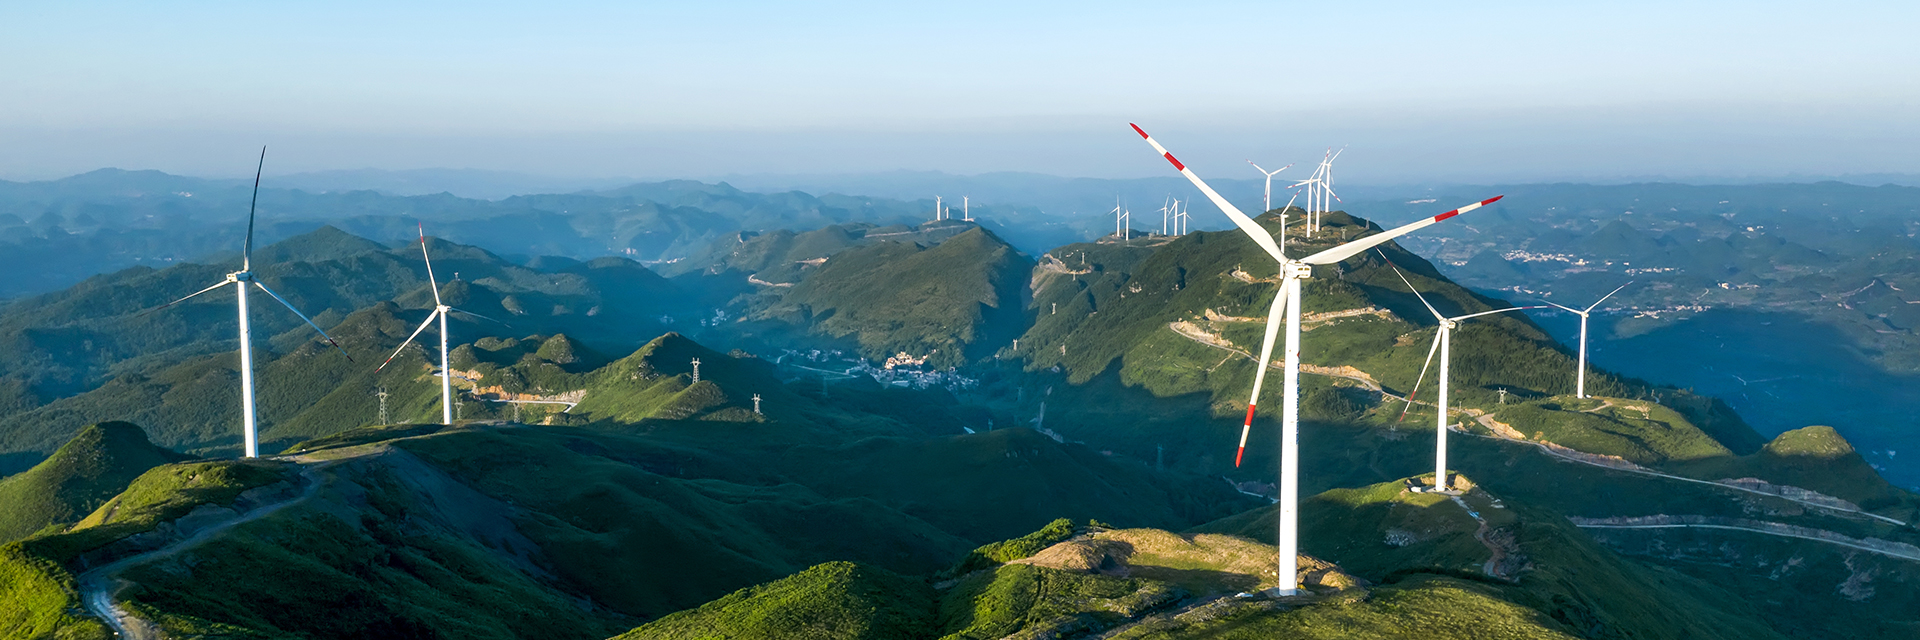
(1298, 270)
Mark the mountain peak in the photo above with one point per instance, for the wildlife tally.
(325, 243)
(95, 465)
(1817, 441)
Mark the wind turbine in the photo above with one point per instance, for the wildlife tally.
(1319, 189)
(240, 279)
(1580, 378)
(1267, 203)
(1122, 221)
(966, 209)
(1443, 343)
(440, 310)
(1291, 272)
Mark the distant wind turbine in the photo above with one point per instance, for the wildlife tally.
(1319, 190)
(440, 310)
(1580, 376)
(1267, 203)
(1443, 343)
(1292, 272)
(240, 279)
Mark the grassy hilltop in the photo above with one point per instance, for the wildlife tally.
(84, 473)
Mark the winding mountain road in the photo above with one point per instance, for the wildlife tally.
(1727, 527)
(97, 585)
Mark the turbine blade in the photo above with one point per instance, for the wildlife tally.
(1488, 313)
(1609, 295)
(1351, 249)
(289, 306)
(403, 345)
(246, 252)
(1437, 336)
(1410, 287)
(423, 254)
(476, 315)
(190, 295)
(1246, 224)
(1562, 306)
(1260, 371)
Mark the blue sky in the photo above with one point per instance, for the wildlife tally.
(1420, 91)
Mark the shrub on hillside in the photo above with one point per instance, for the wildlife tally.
(1005, 551)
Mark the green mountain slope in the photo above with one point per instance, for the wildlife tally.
(950, 303)
(832, 601)
(66, 342)
(175, 370)
(84, 473)
(1179, 319)
(39, 592)
(1413, 565)
(1384, 533)
(673, 493)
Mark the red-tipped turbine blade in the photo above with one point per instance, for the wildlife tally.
(1353, 248)
(1253, 229)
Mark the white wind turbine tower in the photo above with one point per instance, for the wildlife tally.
(440, 310)
(966, 209)
(1267, 203)
(1163, 216)
(1580, 377)
(240, 279)
(1122, 221)
(1319, 190)
(1326, 188)
(1292, 272)
(1442, 342)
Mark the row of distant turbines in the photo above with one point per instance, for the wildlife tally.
(1285, 311)
(944, 212)
(1318, 188)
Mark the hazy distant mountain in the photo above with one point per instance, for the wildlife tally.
(466, 183)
